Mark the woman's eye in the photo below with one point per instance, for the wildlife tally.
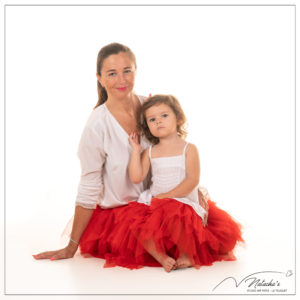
(111, 74)
(127, 71)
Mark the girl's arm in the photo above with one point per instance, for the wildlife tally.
(192, 163)
(139, 163)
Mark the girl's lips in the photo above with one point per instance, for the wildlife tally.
(122, 89)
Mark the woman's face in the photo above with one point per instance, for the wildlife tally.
(117, 75)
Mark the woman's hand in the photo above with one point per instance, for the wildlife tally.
(202, 200)
(67, 252)
(204, 204)
(150, 95)
(204, 220)
(134, 142)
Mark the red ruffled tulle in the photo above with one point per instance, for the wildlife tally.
(118, 235)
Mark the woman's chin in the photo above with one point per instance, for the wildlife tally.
(122, 94)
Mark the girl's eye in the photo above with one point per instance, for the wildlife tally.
(164, 115)
(152, 120)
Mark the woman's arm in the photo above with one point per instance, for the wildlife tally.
(92, 159)
(81, 219)
(139, 163)
(191, 181)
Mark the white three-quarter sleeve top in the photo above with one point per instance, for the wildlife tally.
(104, 153)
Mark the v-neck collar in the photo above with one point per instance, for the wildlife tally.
(115, 120)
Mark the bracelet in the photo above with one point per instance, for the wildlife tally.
(74, 242)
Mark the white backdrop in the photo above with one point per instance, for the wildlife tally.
(231, 67)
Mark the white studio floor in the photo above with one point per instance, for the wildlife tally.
(82, 277)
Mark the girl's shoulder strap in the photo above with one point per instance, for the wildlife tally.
(186, 144)
(149, 151)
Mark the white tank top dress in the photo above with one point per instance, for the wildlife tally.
(167, 173)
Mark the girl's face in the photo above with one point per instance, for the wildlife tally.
(117, 75)
(161, 120)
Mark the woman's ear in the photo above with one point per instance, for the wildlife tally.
(99, 78)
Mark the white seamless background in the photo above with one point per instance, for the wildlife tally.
(231, 67)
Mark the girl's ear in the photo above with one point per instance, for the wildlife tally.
(178, 123)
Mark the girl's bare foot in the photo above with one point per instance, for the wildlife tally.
(183, 262)
(168, 263)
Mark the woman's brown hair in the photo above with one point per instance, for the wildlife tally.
(105, 52)
(174, 104)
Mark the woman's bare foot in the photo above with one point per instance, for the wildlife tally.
(168, 263)
(183, 262)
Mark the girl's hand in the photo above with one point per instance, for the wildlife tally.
(161, 196)
(134, 142)
(67, 252)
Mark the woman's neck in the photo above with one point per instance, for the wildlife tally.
(126, 104)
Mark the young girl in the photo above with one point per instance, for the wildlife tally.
(173, 229)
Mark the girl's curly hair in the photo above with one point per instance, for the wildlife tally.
(173, 103)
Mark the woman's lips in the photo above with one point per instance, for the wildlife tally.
(122, 89)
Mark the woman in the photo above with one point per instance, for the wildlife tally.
(104, 153)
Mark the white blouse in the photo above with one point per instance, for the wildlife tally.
(104, 153)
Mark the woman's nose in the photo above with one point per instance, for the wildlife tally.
(121, 78)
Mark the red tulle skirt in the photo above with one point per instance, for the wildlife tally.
(119, 235)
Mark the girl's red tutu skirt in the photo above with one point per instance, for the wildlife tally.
(118, 235)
